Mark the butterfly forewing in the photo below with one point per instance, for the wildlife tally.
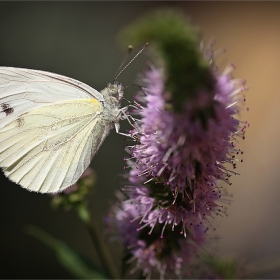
(22, 90)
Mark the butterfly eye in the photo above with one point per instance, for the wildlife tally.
(114, 90)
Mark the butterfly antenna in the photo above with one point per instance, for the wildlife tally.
(120, 71)
(140, 87)
(129, 49)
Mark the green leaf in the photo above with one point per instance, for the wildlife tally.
(73, 261)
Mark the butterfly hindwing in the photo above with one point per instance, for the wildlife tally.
(48, 148)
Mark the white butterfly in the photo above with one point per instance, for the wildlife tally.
(51, 126)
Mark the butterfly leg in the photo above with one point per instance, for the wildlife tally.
(125, 116)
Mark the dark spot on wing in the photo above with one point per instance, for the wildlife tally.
(7, 109)
(20, 122)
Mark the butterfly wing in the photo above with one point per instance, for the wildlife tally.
(22, 90)
(50, 128)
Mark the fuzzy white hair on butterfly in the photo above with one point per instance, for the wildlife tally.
(51, 126)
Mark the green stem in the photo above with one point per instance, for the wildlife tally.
(98, 241)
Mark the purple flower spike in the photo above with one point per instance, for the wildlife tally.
(187, 150)
(171, 255)
(177, 165)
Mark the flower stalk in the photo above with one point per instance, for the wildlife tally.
(75, 198)
(98, 241)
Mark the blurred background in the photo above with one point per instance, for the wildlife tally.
(78, 39)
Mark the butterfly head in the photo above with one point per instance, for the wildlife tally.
(112, 94)
(116, 90)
